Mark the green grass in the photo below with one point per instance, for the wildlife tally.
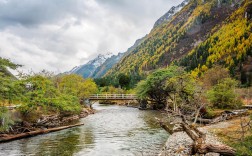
(244, 148)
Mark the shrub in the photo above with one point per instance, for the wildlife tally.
(5, 120)
(223, 94)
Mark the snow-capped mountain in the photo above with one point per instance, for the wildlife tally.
(107, 65)
(88, 69)
(100, 59)
(168, 16)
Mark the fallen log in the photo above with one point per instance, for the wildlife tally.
(221, 149)
(200, 147)
(199, 138)
(166, 128)
(226, 115)
(204, 121)
(6, 137)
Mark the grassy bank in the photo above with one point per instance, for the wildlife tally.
(236, 134)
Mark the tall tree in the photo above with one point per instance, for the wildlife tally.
(124, 80)
(8, 82)
(154, 87)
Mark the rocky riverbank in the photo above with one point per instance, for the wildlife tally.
(180, 144)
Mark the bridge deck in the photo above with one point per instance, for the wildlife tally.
(113, 97)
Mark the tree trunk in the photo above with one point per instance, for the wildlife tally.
(6, 137)
(199, 138)
(200, 147)
(222, 149)
(166, 128)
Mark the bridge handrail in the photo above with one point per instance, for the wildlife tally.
(113, 96)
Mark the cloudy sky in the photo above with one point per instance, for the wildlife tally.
(57, 35)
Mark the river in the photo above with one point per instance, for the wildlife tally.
(112, 131)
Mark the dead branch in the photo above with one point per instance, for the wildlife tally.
(199, 138)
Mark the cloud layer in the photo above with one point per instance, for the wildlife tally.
(56, 35)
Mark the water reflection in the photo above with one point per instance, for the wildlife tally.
(60, 145)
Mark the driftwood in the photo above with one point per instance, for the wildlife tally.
(199, 138)
(200, 147)
(6, 137)
(56, 120)
(227, 115)
(48, 121)
(165, 127)
(71, 118)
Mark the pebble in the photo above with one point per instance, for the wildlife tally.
(180, 144)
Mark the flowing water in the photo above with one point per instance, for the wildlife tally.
(112, 131)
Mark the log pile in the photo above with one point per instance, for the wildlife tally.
(56, 120)
(48, 121)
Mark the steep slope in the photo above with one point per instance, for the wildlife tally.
(187, 30)
(168, 16)
(229, 44)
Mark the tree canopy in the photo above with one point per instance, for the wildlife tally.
(154, 87)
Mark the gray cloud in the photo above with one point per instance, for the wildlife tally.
(59, 34)
(35, 12)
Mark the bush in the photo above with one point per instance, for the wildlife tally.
(209, 114)
(223, 94)
(5, 120)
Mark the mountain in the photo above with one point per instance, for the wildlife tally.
(99, 66)
(108, 64)
(114, 60)
(168, 16)
(202, 33)
(88, 69)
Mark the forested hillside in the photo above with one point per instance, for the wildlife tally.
(229, 44)
(203, 33)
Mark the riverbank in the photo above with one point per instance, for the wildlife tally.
(44, 125)
(235, 133)
(180, 144)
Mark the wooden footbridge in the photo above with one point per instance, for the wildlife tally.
(112, 97)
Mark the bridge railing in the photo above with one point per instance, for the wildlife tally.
(112, 96)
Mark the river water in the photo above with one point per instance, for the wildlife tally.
(112, 131)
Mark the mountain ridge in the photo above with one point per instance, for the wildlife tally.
(168, 15)
(185, 32)
(87, 70)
